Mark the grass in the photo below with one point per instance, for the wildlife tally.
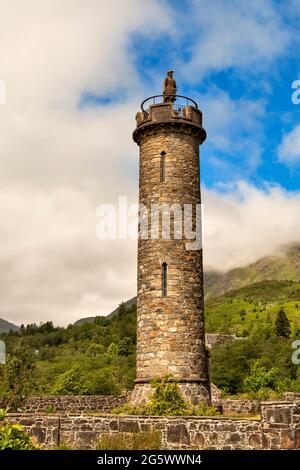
(260, 301)
(146, 440)
(250, 417)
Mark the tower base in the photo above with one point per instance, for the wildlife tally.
(194, 392)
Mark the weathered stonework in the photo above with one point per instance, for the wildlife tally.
(292, 396)
(229, 406)
(279, 428)
(280, 425)
(107, 403)
(170, 329)
(59, 403)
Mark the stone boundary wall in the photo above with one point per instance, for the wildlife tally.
(106, 403)
(280, 424)
(292, 396)
(238, 406)
(46, 404)
(279, 428)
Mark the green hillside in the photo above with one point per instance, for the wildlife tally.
(284, 265)
(6, 326)
(128, 304)
(99, 357)
(239, 311)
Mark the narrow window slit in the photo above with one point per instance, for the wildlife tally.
(163, 167)
(164, 279)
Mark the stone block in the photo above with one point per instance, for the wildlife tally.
(178, 433)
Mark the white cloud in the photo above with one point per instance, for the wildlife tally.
(234, 33)
(243, 223)
(58, 162)
(52, 265)
(234, 128)
(51, 51)
(289, 149)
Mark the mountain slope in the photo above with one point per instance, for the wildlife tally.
(128, 304)
(241, 310)
(284, 265)
(6, 326)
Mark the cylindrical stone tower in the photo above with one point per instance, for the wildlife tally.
(170, 303)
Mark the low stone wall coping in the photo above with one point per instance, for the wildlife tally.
(150, 417)
(278, 402)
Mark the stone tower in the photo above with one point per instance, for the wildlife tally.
(170, 310)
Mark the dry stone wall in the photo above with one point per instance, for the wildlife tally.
(98, 403)
(239, 406)
(292, 396)
(279, 428)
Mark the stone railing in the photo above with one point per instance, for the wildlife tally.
(279, 428)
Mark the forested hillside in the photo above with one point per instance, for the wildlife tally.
(99, 357)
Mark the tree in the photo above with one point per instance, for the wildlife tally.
(71, 382)
(122, 310)
(95, 350)
(282, 325)
(112, 350)
(126, 347)
(103, 382)
(18, 374)
(243, 313)
(260, 380)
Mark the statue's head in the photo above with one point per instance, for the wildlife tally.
(170, 73)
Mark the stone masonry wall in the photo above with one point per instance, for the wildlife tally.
(292, 396)
(106, 403)
(280, 425)
(279, 428)
(239, 406)
(98, 403)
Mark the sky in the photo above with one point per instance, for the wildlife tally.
(75, 73)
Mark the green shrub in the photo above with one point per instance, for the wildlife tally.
(260, 382)
(71, 382)
(18, 375)
(51, 409)
(13, 437)
(167, 400)
(102, 383)
(95, 350)
(204, 410)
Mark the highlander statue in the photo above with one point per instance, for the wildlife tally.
(170, 88)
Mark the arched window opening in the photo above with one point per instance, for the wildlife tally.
(163, 167)
(164, 279)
